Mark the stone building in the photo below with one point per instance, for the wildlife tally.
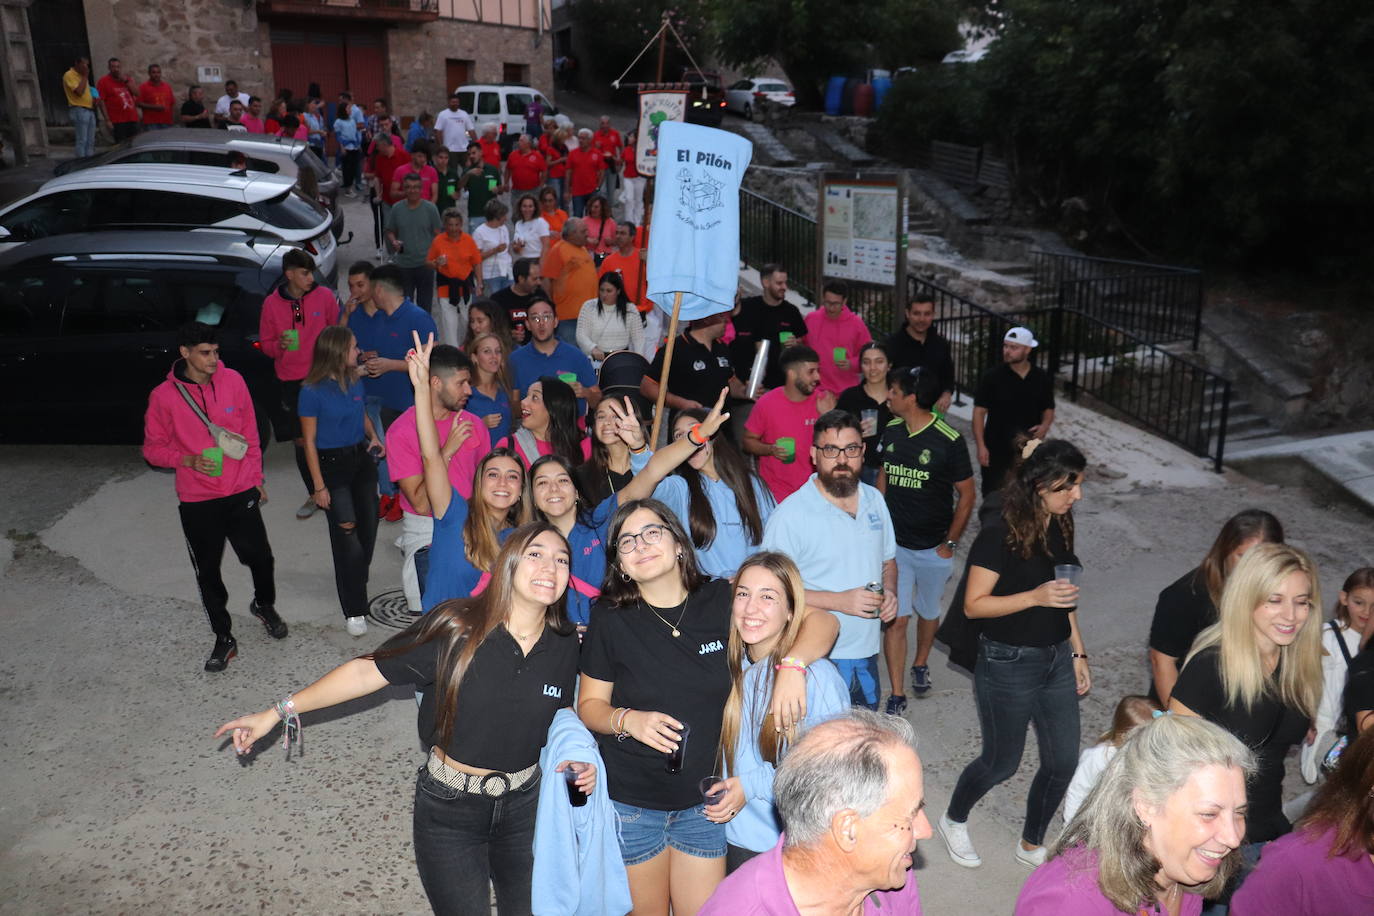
(412, 52)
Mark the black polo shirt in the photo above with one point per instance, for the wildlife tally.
(506, 700)
(686, 676)
(1014, 404)
(1183, 610)
(517, 307)
(1035, 626)
(698, 372)
(758, 321)
(856, 400)
(922, 468)
(903, 350)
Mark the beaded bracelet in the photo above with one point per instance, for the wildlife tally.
(792, 662)
(291, 720)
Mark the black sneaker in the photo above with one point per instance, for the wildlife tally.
(896, 706)
(275, 626)
(225, 649)
(920, 678)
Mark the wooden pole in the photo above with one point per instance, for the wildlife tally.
(662, 45)
(667, 365)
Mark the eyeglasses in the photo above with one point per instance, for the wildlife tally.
(539, 319)
(833, 451)
(649, 535)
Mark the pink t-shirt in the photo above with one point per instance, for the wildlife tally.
(543, 446)
(824, 334)
(776, 416)
(1296, 875)
(403, 452)
(1067, 886)
(428, 177)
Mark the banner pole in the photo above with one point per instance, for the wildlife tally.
(667, 365)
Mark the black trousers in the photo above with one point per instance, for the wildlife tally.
(238, 520)
(350, 474)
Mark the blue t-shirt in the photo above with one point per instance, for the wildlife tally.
(390, 336)
(480, 405)
(529, 364)
(451, 575)
(338, 414)
(587, 543)
(346, 132)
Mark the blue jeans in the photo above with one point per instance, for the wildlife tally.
(1017, 686)
(579, 204)
(373, 405)
(861, 677)
(557, 185)
(419, 284)
(466, 843)
(83, 119)
(494, 285)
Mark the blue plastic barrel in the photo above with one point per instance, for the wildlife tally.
(834, 95)
(881, 86)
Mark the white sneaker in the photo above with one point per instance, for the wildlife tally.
(957, 842)
(1031, 858)
(357, 626)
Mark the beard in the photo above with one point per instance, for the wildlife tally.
(841, 482)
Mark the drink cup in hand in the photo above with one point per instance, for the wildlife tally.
(1068, 572)
(576, 797)
(712, 790)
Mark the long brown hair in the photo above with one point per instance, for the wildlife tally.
(329, 360)
(736, 474)
(480, 542)
(1345, 802)
(502, 377)
(1132, 711)
(1054, 465)
(617, 588)
(1239, 528)
(1360, 578)
(794, 592)
(461, 625)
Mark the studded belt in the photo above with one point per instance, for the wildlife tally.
(492, 785)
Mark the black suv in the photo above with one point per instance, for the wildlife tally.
(88, 327)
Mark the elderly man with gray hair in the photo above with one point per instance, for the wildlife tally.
(851, 796)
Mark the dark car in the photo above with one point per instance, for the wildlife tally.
(88, 327)
(707, 110)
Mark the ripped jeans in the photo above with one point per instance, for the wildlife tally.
(350, 474)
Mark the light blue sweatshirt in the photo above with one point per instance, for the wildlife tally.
(757, 827)
(577, 866)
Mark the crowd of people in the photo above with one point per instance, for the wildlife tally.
(649, 674)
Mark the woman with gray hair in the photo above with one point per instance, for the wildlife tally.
(1161, 830)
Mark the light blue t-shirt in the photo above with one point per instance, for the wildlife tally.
(346, 132)
(756, 827)
(836, 552)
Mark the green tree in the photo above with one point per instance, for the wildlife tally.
(613, 32)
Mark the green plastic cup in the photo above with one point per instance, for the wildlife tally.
(293, 338)
(215, 454)
(840, 355)
(785, 336)
(569, 377)
(789, 446)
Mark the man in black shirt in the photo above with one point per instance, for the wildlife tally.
(1015, 397)
(193, 110)
(919, 344)
(767, 317)
(701, 367)
(517, 298)
(927, 481)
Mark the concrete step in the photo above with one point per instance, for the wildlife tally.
(830, 138)
(1010, 268)
(767, 143)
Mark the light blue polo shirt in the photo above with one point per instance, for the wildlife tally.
(836, 552)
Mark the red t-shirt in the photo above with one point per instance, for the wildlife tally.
(525, 169)
(628, 156)
(156, 95)
(384, 167)
(608, 141)
(585, 165)
(491, 151)
(428, 178)
(550, 154)
(119, 101)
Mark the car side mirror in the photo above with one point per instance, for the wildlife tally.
(4, 234)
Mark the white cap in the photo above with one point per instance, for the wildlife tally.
(1022, 336)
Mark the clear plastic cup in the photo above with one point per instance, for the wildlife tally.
(1068, 572)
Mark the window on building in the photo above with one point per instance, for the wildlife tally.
(515, 73)
(458, 73)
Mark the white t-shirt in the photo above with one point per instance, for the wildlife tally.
(222, 106)
(451, 127)
(532, 233)
(487, 237)
(1091, 763)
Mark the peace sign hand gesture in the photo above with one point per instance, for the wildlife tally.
(627, 425)
(417, 361)
(717, 417)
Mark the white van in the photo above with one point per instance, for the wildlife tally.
(504, 104)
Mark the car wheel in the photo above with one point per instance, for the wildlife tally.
(748, 112)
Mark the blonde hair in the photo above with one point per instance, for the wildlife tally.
(794, 593)
(1256, 576)
(502, 375)
(329, 360)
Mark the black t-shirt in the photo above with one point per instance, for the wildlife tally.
(922, 469)
(598, 483)
(1359, 689)
(1014, 404)
(1184, 610)
(757, 321)
(698, 372)
(1035, 626)
(1269, 728)
(856, 401)
(506, 701)
(189, 107)
(905, 351)
(686, 677)
(517, 306)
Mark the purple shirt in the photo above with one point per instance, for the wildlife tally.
(1296, 877)
(1067, 886)
(759, 888)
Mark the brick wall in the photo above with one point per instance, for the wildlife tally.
(416, 58)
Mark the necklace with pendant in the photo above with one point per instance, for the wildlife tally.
(671, 626)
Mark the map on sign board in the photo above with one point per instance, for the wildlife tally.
(861, 232)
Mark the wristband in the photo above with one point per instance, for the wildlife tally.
(1082, 655)
(693, 433)
(791, 661)
(780, 666)
(291, 721)
(641, 450)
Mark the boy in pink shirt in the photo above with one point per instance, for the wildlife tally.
(779, 427)
(837, 335)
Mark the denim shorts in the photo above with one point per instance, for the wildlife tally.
(921, 578)
(645, 832)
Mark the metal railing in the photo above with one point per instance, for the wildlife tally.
(1158, 302)
(771, 233)
(1168, 394)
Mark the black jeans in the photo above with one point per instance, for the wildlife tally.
(1016, 686)
(349, 166)
(419, 285)
(350, 474)
(238, 520)
(465, 843)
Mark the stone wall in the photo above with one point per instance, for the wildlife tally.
(416, 58)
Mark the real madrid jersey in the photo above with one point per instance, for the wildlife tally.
(922, 468)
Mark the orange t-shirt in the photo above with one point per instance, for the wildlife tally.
(556, 219)
(463, 258)
(631, 270)
(571, 273)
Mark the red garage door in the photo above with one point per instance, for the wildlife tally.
(336, 59)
